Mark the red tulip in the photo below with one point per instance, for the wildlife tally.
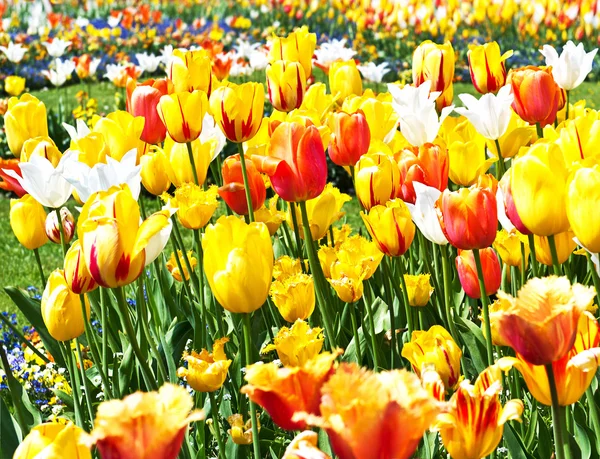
(233, 192)
(427, 164)
(142, 100)
(467, 272)
(350, 139)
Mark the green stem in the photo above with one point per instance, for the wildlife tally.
(192, 162)
(369, 309)
(249, 361)
(215, 415)
(557, 424)
(500, 163)
(409, 317)
(595, 277)
(355, 333)
(74, 383)
(447, 289)
(534, 266)
(38, 260)
(297, 234)
(388, 275)
(200, 254)
(104, 321)
(246, 184)
(523, 264)
(594, 416)
(162, 371)
(539, 130)
(86, 386)
(553, 252)
(485, 307)
(567, 105)
(14, 390)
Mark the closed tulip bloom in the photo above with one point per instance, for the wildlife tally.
(578, 138)
(297, 345)
(206, 371)
(182, 114)
(536, 94)
(391, 227)
(350, 138)
(28, 222)
(467, 155)
(145, 424)
(191, 71)
(294, 297)
(377, 179)
(282, 392)
(435, 63)
(14, 85)
(435, 347)
(196, 205)
(468, 217)
(240, 255)
(508, 246)
(379, 112)
(506, 206)
(77, 275)
(233, 191)
(270, 215)
(155, 172)
(181, 172)
(345, 79)
(143, 100)
(583, 202)
(286, 84)
(173, 266)
(427, 164)
(25, 118)
(305, 445)
(541, 322)
(474, 424)
(41, 146)
(297, 165)
(487, 67)
(298, 46)
(564, 247)
(238, 109)
(467, 272)
(538, 188)
(54, 439)
(122, 132)
(418, 289)
(61, 309)
(53, 228)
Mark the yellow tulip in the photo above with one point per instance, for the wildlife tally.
(538, 185)
(77, 274)
(180, 171)
(564, 247)
(28, 222)
(25, 118)
(467, 155)
(518, 134)
(435, 63)
(316, 99)
(54, 440)
(41, 146)
(182, 114)
(377, 179)
(583, 203)
(381, 116)
(419, 289)
(298, 46)
(361, 254)
(191, 70)
(241, 432)
(14, 85)
(121, 132)
(294, 296)
(508, 246)
(346, 281)
(61, 309)
(286, 266)
(173, 266)
(92, 149)
(344, 79)
(270, 216)
(196, 205)
(391, 227)
(155, 172)
(297, 345)
(487, 67)
(206, 371)
(238, 262)
(286, 84)
(579, 138)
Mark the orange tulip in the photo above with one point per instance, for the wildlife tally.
(142, 100)
(233, 192)
(427, 164)
(536, 94)
(467, 272)
(350, 138)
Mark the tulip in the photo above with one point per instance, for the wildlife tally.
(26, 118)
(508, 245)
(43, 147)
(474, 424)
(286, 266)
(196, 206)
(541, 322)
(467, 272)
(418, 289)
(298, 46)
(206, 372)
(380, 114)
(77, 275)
(180, 170)
(145, 424)
(347, 281)
(233, 191)
(435, 347)
(53, 229)
(578, 138)
(91, 149)
(241, 432)
(538, 188)
(238, 109)
(350, 138)
(173, 265)
(121, 132)
(572, 66)
(564, 247)
(8, 182)
(28, 221)
(391, 227)
(270, 216)
(14, 85)
(294, 297)
(435, 63)
(54, 439)
(424, 214)
(487, 67)
(468, 217)
(583, 199)
(467, 155)
(182, 114)
(282, 392)
(190, 71)
(221, 65)
(286, 84)
(143, 100)
(297, 345)
(507, 212)
(344, 79)
(155, 172)
(239, 254)
(536, 94)
(361, 254)
(427, 164)
(377, 179)
(305, 446)
(297, 165)
(61, 309)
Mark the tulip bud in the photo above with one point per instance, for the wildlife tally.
(435, 63)
(509, 204)
(241, 432)
(467, 272)
(487, 67)
(350, 139)
(286, 84)
(418, 289)
(155, 172)
(508, 245)
(377, 179)
(53, 228)
(345, 79)
(143, 100)
(536, 94)
(233, 191)
(173, 266)
(25, 119)
(14, 85)
(182, 114)
(391, 227)
(41, 146)
(28, 222)
(77, 275)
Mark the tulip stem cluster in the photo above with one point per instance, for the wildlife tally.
(484, 307)
(500, 164)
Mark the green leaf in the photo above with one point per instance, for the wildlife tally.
(514, 444)
(583, 441)
(381, 316)
(10, 435)
(323, 443)
(473, 338)
(544, 441)
(65, 398)
(126, 368)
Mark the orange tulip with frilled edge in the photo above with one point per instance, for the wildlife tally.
(487, 67)
(573, 373)
(181, 171)
(361, 411)
(173, 266)
(41, 146)
(538, 187)
(536, 94)
(583, 202)
(122, 133)
(61, 309)
(427, 164)
(435, 347)
(468, 217)
(541, 322)
(182, 114)
(156, 170)
(391, 227)
(142, 100)
(298, 46)
(508, 246)
(377, 179)
(345, 79)
(305, 446)
(270, 215)
(206, 371)
(28, 221)
(54, 439)
(467, 272)
(282, 392)
(418, 289)
(294, 296)
(92, 148)
(196, 205)
(350, 139)
(145, 424)
(113, 240)
(473, 426)
(233, 191)
(435, 63)
(565, 245)
(238, 109)
(297, 345)
(286, 85)
(191, 70)
(77, 275)
(296, 163)
(238, 255)
(25, 118)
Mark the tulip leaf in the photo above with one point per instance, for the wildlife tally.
(65, 398)
(31, 310)
(583, 441)
(544, 441)
(532, 429)
(323, 443)
(231, 449)
(10, 435)
(514, 444)
(381, 316)
(126, 367)
(473, 338)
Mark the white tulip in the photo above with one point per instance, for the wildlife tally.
(212, 132)
(373, 72)
(424, 215)
(61, 73)
(572, 66)
(57, 47)
(148, 62)
(80, 130)
(330, 52)
(490, 114)
(13, 52)
(159, 241)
